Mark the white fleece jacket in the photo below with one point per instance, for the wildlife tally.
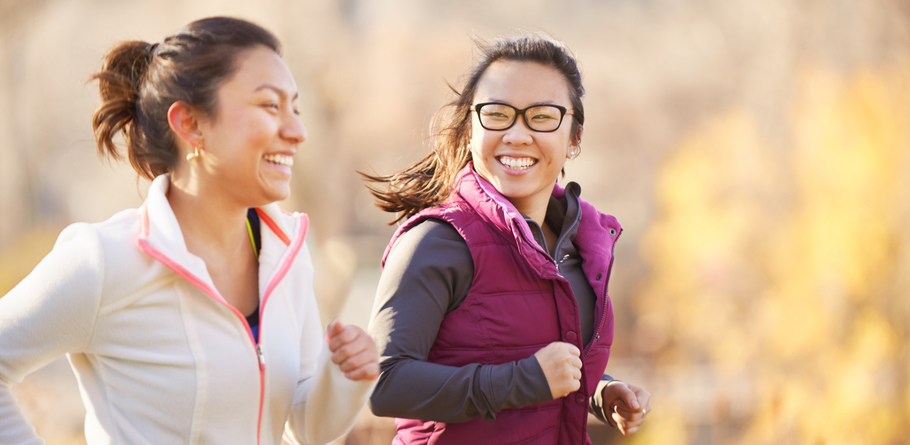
(160, 357)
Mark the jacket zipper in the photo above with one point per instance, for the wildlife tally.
(280, 272)
(545, 253)
(261, 383)
(561, 260)
(213, 293)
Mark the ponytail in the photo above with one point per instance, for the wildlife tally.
(119, 81)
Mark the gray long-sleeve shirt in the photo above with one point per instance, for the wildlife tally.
(428, 274)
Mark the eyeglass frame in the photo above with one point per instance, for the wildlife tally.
(563, 112)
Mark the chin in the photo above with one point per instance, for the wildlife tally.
(516, 191)
(275, 197)
(276, 192)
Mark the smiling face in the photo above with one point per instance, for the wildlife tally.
(251, 141)
(521, 163)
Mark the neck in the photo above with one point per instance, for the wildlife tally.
(536, 209)
(210, 223)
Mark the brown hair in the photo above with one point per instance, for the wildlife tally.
(428, 182)
(139, 82)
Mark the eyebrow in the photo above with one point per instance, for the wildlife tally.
(281, 92)
(545, 102)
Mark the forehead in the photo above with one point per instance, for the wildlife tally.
(257, 67)
(521, 84)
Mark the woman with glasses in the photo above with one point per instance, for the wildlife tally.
(492, 315)
(192, 319)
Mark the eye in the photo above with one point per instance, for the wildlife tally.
(498, 112)
(271, 106)
(495, 114)
(543, 113)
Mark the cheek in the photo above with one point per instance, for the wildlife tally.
(484, 143)
(483, 160)
(562, 145)
(476, 146)
(476, 141)
(477, 155)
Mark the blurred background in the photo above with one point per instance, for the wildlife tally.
(756, 152)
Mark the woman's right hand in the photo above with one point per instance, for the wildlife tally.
(353, 351)
(561, 364)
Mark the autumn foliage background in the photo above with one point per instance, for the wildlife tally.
(756, 152)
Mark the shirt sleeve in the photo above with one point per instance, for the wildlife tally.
(51, 312)
(427, 274)
(597, 401)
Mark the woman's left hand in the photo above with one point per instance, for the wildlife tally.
(629, 405)
(353, 351)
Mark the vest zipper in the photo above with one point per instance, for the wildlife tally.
(603, 312)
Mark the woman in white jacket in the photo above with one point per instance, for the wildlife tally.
(192, 319)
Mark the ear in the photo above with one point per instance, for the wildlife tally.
(184, 122)
(578, 133)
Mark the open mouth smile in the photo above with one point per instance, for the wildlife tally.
(279, 159)
(514, 163)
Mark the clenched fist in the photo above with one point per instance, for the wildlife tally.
(353, 351)
(561, 364)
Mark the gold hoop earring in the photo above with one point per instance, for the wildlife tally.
(195, 154)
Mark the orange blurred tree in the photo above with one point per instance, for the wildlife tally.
(782, 272)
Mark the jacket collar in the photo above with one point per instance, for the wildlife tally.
(563, 215)
(161, 237)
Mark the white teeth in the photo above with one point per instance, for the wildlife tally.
(516, 163)
(279, 159)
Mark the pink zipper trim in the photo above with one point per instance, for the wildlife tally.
(269, 222)
(279, 275)
(177, 268)
(295, 248)
(210, 291)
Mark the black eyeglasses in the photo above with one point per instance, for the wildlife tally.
(497, 116)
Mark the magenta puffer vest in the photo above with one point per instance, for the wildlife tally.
(517, 304)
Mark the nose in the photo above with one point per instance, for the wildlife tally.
(293, 129)
(518, 133)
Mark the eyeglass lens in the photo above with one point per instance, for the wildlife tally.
(537, 118)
